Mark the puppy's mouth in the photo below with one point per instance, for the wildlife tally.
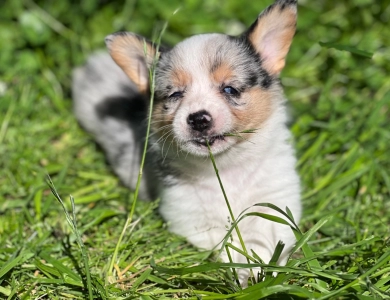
(202, 141)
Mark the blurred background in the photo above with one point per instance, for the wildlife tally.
(42, 41)
(336, 79)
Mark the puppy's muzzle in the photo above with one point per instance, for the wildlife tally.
(201, 124)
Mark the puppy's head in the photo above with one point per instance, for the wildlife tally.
(212, 88)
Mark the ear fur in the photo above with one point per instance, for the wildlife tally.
(271, 34)
(134, 54)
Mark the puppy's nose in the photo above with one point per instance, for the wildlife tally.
(200, 121)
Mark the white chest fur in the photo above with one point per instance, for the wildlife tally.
(260, 171)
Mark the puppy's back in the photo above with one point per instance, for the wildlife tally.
(108, 105)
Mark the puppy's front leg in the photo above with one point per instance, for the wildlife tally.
(260, 236)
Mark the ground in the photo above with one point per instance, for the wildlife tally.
(338, 85)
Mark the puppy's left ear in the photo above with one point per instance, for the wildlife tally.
(271, 34)
(134, 54)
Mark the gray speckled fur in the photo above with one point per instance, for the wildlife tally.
(104, 98)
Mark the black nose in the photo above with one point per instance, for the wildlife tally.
(200, 121)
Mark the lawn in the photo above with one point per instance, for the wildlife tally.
(338, 85)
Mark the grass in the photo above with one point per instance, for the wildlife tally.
(339, 98)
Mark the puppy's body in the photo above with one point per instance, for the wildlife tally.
(212, 89)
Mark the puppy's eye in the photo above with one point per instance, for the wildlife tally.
(176, 95)
(230, 91)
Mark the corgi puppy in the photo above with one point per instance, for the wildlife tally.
(210, 89)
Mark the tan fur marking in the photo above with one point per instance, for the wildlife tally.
(222, 73)
(180, 78)
(255, 113)
(128, 52)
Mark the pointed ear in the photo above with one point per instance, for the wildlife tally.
(134, 54)
(271, 34)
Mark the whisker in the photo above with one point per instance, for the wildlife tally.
(167, 133)
(163, 145)
(168, 149)
(159, 130)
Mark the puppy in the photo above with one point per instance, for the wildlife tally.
(210, 89)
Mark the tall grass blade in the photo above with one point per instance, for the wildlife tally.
(152, 73)
(73, 225)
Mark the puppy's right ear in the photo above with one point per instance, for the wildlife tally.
(134, 54)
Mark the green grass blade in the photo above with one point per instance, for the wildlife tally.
(72, 222)
(267, 217)
(141, 279)
(384, 259)
(15, 261)
(5, 291)
(62, 269)
(278, 289)
(152, 75)
(303, 239)
(351, 49)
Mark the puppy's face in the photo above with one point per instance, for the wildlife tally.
(212, 89)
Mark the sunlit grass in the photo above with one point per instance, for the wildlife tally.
(340, 121)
